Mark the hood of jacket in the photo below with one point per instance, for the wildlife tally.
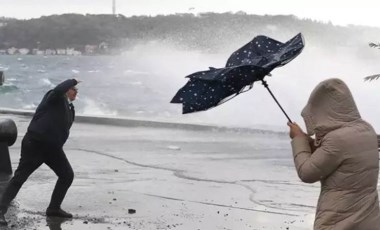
(329, 107)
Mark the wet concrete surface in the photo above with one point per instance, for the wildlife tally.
(173, 177)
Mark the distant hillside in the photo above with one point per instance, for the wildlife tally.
(208, 31)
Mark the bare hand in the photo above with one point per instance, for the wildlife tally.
(295, 130)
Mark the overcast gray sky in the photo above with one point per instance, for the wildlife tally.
(339, 12)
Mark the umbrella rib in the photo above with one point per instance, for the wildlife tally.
(266, 86)
(222, 102)
(242, 91)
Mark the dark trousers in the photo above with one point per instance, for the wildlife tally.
(33, 155)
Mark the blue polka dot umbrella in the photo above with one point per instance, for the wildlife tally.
(250, 63)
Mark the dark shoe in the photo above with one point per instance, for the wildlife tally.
(3, 222)
(58, 213)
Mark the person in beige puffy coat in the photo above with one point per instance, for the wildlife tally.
(343, 157)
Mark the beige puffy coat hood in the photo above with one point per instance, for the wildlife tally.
(345, 160)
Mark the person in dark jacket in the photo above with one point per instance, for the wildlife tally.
(42, 143)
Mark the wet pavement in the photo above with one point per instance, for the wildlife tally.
(174, 178)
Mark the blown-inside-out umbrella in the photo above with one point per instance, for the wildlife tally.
(250, 63)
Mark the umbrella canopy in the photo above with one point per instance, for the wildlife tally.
(250, 63)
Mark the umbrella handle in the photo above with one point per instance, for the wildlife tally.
(266, 86)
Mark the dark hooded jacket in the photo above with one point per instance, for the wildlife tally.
(54, 116)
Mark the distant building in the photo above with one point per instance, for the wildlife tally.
(24, 51)
(103, 46)
(61, 52)
(12, 50)
(77, 53)
(50, 52)
(90, 49)
(38, 52)
(72, 52)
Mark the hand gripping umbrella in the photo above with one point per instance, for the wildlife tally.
(250, 63)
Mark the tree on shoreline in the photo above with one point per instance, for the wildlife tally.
(206, 31)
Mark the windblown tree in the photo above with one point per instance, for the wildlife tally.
(376, 76)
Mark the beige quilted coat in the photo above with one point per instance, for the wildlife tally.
(345, 159)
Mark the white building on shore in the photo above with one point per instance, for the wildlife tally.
(73, 52)
(23, 51)
(38, 52)
(12, 50)
(50, 52)
(61, 51)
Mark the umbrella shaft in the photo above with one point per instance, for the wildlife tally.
(266, 86)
